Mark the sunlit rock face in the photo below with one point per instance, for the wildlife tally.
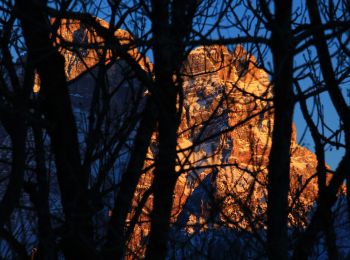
(224, 137)
(83, 48)
(89, 47)
(228, 116)
(85, 57)
(224, 143)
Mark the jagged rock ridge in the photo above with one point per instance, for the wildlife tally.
(224, 180)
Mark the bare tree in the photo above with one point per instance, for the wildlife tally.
(167, 131)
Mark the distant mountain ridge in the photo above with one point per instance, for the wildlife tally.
(229, 161)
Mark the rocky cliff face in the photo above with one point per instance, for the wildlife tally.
(229, 112)
(80, 56)
(224, 140)
(224, 144)
(83, 48)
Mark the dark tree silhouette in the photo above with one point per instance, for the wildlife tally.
(167, 131)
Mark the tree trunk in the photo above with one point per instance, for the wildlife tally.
(171, 27)
(321, 179)
(15, 126)
(329, 195)
(305, 244)
(116, 240)
(279, 158)
(77, 241)
(46, 249)
(164, 184)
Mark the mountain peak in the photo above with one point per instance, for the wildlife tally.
(83, 47)
(222, 89)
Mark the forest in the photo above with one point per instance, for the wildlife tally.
(174, 129)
